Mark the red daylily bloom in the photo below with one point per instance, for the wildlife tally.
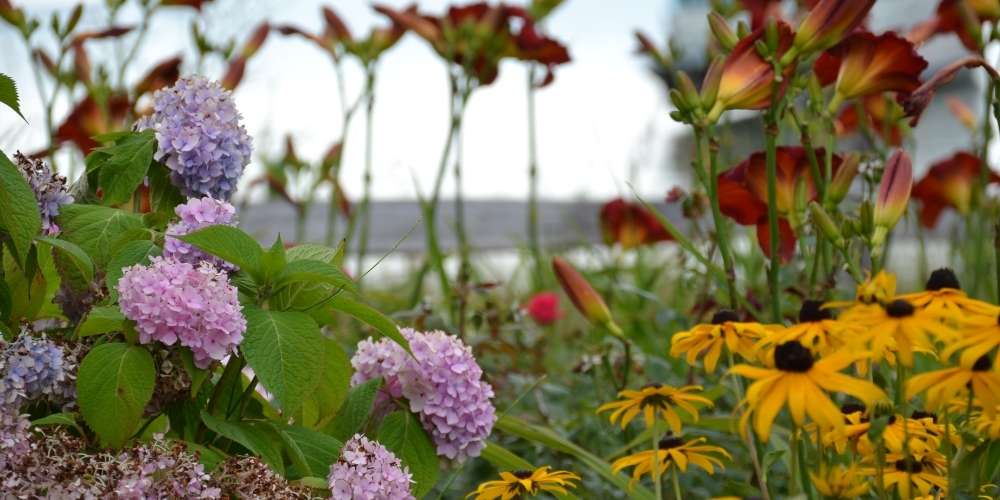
(543, 308)
(828, 23)
(88, 119)
(949, 18)
(916, 102)
(630, 224)
(742, 193)
(882, 118)
(761, 10)
(194, 4)
(745, 79)
(894, 190)
(866, 64)
(949, 183)
(161, 75)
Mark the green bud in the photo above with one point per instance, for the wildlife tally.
(687, 89)
(825, 224)
(742, 30)
(679, 102)
(722, 32)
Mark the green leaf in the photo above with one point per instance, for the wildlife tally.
(273, 261)
(113, 385)
(402, 434)
(19, 209)
(6, 301)
(321, 404)
(27, 293)
(96, 229)
(285, 350)
(258, 437)
(8, 95)
(100, 320)
(355, 411)
(81, 261)
(64, 419)
(134, 252)
(372, 317)
(311, 451)
(126, 167)
(314, 271)
(230, 244)
(309, 251)
(207, 456)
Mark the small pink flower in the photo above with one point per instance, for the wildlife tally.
(543, 307)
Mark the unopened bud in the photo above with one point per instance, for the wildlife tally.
(687, 89)
(584, 297)
(825, 224)
(722, 32)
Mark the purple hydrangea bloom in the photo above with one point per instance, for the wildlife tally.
(174, 301)
(200, 137)
(368, 471)
(196, 214)
(15, 438)
(442, 382)
(49, 188)
(30, 367)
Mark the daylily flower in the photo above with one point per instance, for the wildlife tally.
(630, 224)
(866, 64)
(950, 18)
(962, 113)
(336, 36)
(761, 10)
(828, 23)
(745, 80)
(915, 102)
(949, 183)
(881, 114)
(237, 65)
(162, 75)
(743, 193)
(89, 119)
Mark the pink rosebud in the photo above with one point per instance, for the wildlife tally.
(584, 297)
(543, 307)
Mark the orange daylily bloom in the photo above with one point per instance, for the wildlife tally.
(630, 224)
(743, 192)
(828, 23)
(949, 18)
(88, 119)
(866, 64)
(745, 80)
(916, 102)
(949, 183)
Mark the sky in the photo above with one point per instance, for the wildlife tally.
(603, 119)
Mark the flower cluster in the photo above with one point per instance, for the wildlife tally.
(200, 137)
(174, 301)
(196, 214)
(162, 470)
(241, 476)
(14, 439)
(368, 471)
(443, 383)
(30, 368)
(49, 189)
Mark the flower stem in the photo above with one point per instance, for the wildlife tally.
(365, 210)
(657, 483)
(677, 485)
(793, 479)
(706, 154)
(751, 444)
(534, 239)
(771, 139)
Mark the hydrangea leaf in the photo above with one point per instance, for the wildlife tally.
(95, 229)
(126, 166)
(402, 434)
(100, 320)
(321, 405)
(74, 254)
(355, 411)
(134, 252)
(311, 451)
(285, 350)
(229, 244)
(21, 220)
(258, 437)
(8, 95)
(314, 271)
(369, 315)
(114, 383)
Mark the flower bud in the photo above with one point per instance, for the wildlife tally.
(828, 23)
(894, 190)
(825, 224)
(720, 29)
(678, 100)
(686, 87)
(584, 297)
(841, 183)
(710, 86)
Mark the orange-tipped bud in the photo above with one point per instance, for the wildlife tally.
(841, 183)
(584, 297)
(256, 40)
(893, 194)
(828, 23)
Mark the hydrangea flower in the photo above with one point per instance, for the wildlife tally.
(199, 137)
(443, 383)
(196, 214)
(368, 471)
(174, 301)
(242, 476)
(49, 188)
(160, 470)
(15, 442)
(29, 368)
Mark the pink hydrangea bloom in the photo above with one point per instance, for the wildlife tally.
(442, 382)
(174, 301)
(196, 214)
(368, 471)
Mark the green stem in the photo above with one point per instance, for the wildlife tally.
(365, 211)
(751, 442)
(793, 445)
(677, 485)
(706, 154)
(771, 139)
(346, 112)
(949, 450)
(657, 483)
(534, 239)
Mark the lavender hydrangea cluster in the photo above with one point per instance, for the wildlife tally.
(368, 471)
(15, 439)
(30, 367)
(199, 137)
(174, 301)
(196, 214)
(442, 382)
(49, 189)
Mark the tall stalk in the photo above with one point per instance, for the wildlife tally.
(771, 140)
(346, 113)
(534, 239)
(365, 210)
(706, 155)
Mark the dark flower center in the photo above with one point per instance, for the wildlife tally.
(652, 385)
(656, 401)
(984, 363)
(942, 278)
(850, 408)
(522, 474)
(812, 311)
(918, 414)
(723, 316)
(670, 442)
(899, 308)
(792, 357)
(909, 465)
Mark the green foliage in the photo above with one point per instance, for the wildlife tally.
(311, 452)
(356, 410)
(402, 434)
(259, 438)
(74, 254)
(285, 350)
(229, 244)
(20, 221)
(131, 253)
(98, 230)
(8, 95)
(371, 316)
(122, 166)
(321, 404)
(113, 385)
(100, 320)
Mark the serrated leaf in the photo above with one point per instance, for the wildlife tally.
(402, 434)
(8, 95)
(19, 209)
(355, 411)
(230, 244)
(314, 271)
(134, 252)
(126, 167)
(285, 350)
(369, 315)
(321, 404)
(313, 452)
(310, 251)
(72, 252)
(96, 229)
(114, 383)
(258, 437)
(101, 319)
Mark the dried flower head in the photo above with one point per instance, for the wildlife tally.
(49, 189)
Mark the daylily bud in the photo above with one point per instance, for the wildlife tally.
(840, 185)
(720, 29)
(828, 23)
(710, 86)
(742, 30)
(679, 101)
(825, 224)
(893, 195)
(747, 79)
(687, 89)
(771, 35)
(584, 297)
(256, 40)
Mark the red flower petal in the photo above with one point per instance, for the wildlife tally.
(786, 239)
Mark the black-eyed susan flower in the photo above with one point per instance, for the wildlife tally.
(801, 382)
(725, 331)
(840, 482)
(943, 386)
(899, 326)
(912, 477)
(921, 433)
(672, 450)
(856, 424)
(817, 330)
(525, 483)
(875, 290)
(655, 400)
(977, 337)
(987, 424)
(943, 296)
